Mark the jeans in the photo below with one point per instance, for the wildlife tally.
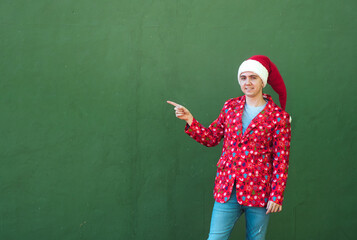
(225, 215)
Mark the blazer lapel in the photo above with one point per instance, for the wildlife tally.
(261, 117)
(238, 113)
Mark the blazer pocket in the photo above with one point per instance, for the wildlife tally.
(262, 164)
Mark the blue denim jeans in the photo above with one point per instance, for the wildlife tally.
(225, 215)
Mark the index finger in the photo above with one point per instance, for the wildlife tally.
(269, 205)
(173, 103)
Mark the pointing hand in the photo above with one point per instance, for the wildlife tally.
(182, 112)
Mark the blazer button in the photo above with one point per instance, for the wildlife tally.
(239, 145)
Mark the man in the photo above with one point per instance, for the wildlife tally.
(253, 167)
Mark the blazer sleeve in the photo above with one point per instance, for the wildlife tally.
(210, 136)
(281, 153)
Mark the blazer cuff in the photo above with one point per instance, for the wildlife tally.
(191, 129)
(276, 197)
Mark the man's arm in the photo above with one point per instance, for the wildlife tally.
(210, 136)
(281, 153)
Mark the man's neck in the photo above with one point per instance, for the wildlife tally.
(255, 101)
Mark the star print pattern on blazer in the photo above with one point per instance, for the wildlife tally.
(258, 159)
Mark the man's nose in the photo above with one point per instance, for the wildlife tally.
(249, 81)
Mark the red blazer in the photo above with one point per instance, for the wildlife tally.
(258, 159)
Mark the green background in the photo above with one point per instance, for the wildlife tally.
(91, 150)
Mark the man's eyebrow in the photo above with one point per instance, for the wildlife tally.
(252, 75)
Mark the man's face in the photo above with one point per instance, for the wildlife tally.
(251, 84)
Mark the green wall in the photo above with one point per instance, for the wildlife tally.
(90, 149)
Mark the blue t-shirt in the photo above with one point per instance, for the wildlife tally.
(249, 114)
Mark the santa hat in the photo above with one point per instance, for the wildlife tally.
(268, 72)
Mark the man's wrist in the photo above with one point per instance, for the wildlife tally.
(189, 121)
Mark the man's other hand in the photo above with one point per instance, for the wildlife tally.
(273, 207)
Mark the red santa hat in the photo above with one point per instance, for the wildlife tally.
(268, 72)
